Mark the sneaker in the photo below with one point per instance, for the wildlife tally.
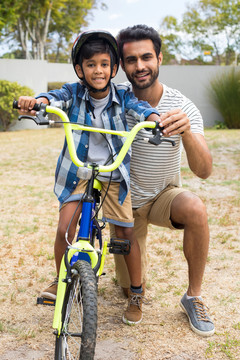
(197, 315)
(133, 314)
(51, 291)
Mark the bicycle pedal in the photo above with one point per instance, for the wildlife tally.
(119, 246)
(44, 301)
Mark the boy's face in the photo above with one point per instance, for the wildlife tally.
(97, 71)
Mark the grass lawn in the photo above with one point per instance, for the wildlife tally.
(28, 220)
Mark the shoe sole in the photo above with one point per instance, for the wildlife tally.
(197, 331)
(131, 323)
(47, 295)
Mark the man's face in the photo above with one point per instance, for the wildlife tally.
(141, 64)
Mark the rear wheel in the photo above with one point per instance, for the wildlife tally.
(79, 316)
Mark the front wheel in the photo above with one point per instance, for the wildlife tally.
(79, 316)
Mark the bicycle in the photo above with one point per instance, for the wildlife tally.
(75, 314)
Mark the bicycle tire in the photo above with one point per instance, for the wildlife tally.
(79, 316)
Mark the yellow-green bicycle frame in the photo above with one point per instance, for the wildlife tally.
(85, 246)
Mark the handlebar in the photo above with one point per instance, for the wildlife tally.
(36, 107)
(41, 115)
(41, 119)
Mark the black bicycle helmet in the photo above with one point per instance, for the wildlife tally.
(94, 35)
(89, 35)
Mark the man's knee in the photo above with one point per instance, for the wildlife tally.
(188, 209)
(198, 212)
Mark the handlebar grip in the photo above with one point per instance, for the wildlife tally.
(36, 106)
(15, 104)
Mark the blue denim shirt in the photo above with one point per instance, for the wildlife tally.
(75, 100)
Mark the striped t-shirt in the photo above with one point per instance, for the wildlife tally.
(153, 168)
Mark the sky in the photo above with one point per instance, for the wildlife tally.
(123, 13)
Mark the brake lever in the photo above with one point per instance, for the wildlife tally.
(157, 139)
(37, 119)
(41, 117)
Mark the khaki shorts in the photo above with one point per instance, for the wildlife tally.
(113, 212)
(156, 212)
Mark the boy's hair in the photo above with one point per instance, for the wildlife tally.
(137, 33)
(93, 47)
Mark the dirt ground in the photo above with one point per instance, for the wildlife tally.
(28, 218)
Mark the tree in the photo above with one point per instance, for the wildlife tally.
(171, 41)
(209, 25)
(214, 24)
(35, 25)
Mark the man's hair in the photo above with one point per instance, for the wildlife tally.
(137, 33)
(93, 47)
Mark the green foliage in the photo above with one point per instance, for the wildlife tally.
(215, 23)
(207, 25)
(55, 85)
(44, 26)
(225, 96)
(8, 92)
(171, 42)
(219, 125)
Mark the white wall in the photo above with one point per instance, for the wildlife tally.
(192, 81)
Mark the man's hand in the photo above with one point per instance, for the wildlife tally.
(174, 122)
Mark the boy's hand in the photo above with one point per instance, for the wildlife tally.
(153, 117)
(26, 103)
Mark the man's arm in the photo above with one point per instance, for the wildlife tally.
(198, 154)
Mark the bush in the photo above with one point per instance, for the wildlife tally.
(8, 92)
(55, 85)
(225, 96)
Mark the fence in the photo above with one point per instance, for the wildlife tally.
(192, 81)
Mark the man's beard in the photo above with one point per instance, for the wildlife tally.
(145, 84)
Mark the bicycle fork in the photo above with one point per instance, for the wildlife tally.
(83, 250)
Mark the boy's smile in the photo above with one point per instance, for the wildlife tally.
(97, 72)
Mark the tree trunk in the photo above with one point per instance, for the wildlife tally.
(24, 38)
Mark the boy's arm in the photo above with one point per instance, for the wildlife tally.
(141, 110)
(61, 98)
(153, 117)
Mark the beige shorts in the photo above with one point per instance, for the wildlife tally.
(157, 210)
(113, 212)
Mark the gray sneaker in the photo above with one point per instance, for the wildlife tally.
(197, 315)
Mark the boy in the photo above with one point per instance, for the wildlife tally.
(98, 102)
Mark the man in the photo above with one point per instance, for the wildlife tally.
(157, 196)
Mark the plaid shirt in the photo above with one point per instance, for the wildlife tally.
(75, 100)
